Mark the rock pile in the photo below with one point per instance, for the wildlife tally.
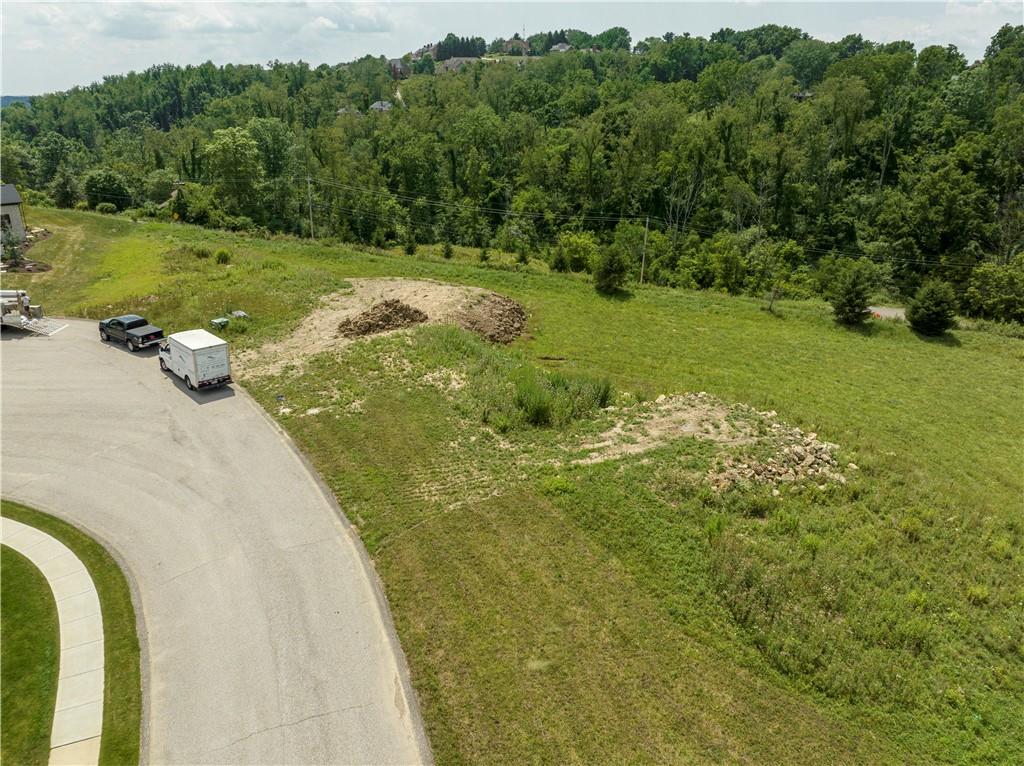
(387, 315)
(797, 456)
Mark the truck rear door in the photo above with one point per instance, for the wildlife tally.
(212, 363)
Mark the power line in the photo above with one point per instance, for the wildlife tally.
(546, 215)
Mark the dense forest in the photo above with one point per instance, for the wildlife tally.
(745, 160)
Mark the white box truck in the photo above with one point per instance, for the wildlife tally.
(198, 357)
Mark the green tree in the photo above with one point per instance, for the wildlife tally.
(932, 311)
(274, 140)
(63, 189)
(809, 59)
(997, 291)
(233, 160)
(851, 291)
(610, 270)
(579, 249)
(159, 185)
(409, 239)
(425, 65)
(105, 185)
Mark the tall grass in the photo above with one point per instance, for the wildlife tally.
(509, 391)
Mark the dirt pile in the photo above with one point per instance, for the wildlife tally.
(391, 314)
(797, 456)
(343, 317)
(493, 317)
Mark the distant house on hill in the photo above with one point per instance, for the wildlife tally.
(517, 46)
(803, 95)
(381, 106)
(349, 110)
(400, 68)
(416, 55)
(12, 218)
(561, 48)
(454, 64)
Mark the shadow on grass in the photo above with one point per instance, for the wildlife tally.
(619, 294)
(946, 339)
(867, 329)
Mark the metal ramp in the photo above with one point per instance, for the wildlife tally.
(43, 326)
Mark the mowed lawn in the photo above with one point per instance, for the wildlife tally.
(122, 693)
(622, 612)
(30, 660)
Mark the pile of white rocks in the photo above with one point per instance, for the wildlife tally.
(797, 456)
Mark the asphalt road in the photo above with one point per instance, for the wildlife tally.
(266, 639)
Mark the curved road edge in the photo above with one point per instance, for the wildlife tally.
(408, 691)
(292, 629)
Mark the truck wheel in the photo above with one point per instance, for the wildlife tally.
(132, 347)
(188, 384)
(103, 336)
(163, 364)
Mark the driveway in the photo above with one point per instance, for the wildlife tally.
(265, 635)
(889, 312)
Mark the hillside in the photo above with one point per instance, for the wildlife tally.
(557, 603)
(746, 158)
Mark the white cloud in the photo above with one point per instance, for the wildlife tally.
(321, 22)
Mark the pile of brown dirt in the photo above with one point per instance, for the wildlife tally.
(493, 317)
(391, 314)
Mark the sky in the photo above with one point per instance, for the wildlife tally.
(50, 46)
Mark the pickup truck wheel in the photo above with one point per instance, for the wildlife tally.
(188, 384)
(163, 365)
(132, 347)
(103, 336)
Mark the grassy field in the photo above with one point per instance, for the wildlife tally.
(30, 660)
(622, 611)
(122, 699)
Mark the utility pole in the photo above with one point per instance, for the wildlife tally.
(309, 194)
(309, 180)
(643, 257)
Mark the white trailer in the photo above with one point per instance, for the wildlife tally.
(16, 310)
(198, 357)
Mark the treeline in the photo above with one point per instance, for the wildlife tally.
(725, 153)
(452, 46)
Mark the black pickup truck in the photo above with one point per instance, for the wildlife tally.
(132, 330)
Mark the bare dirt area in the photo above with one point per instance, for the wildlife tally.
(372, 307)
(648, 426)
(770, 452)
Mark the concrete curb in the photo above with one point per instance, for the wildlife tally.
(78, 713)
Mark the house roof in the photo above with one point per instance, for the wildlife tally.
(9, 195)
(456, 63)
(381, 106)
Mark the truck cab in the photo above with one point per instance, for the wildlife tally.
(198, 357)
